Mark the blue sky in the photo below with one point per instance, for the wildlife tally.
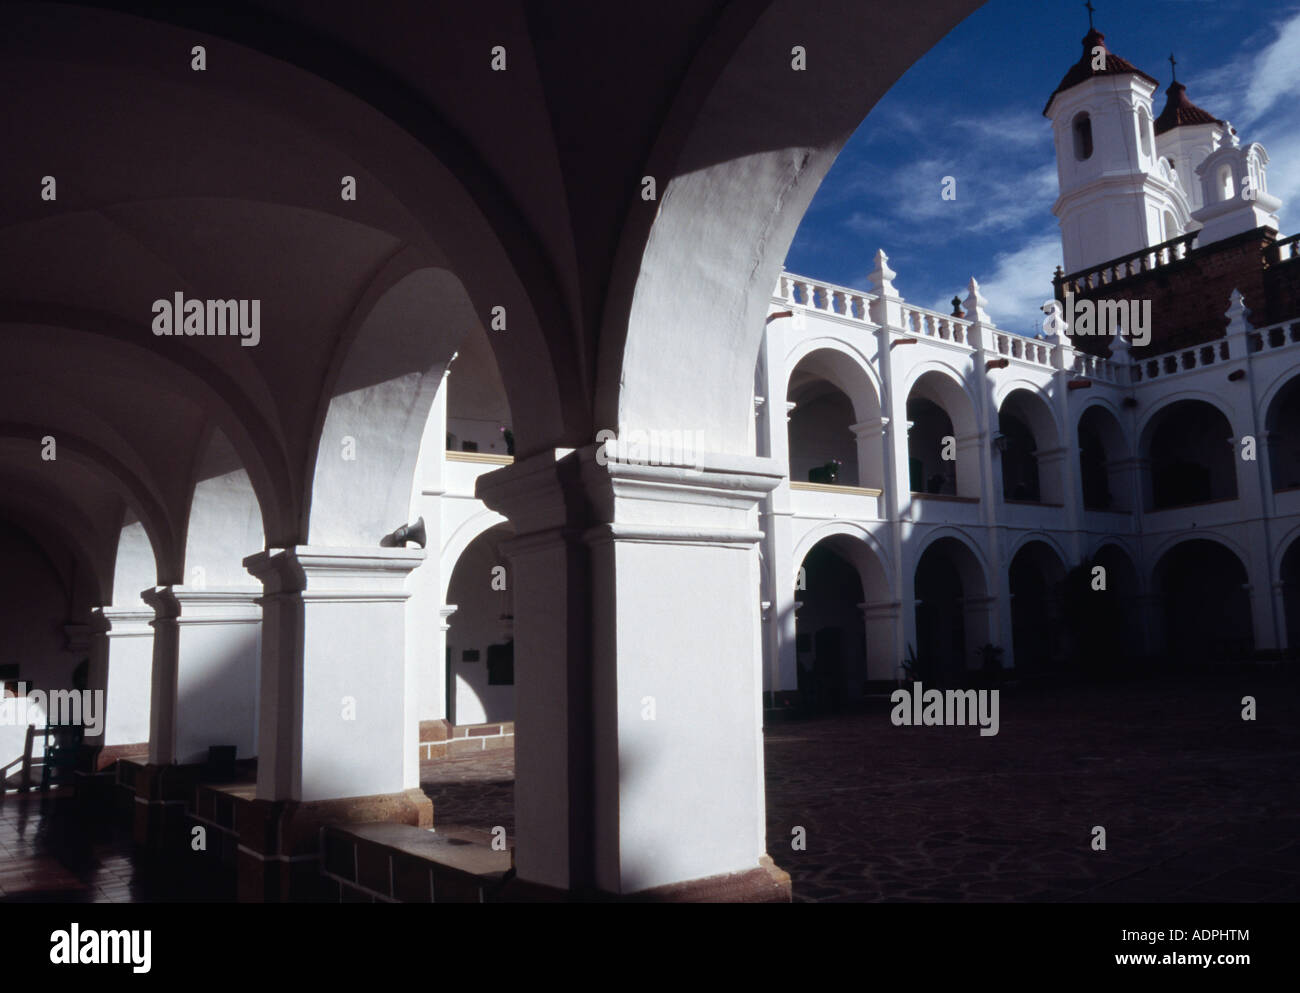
(972, 107)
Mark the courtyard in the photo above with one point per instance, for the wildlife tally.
(1197, 804)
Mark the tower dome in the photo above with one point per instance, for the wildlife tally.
(1118, 195)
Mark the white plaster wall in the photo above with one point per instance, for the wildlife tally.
(476, 624)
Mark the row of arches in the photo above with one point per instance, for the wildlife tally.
(1099, 615)
(1187, 451)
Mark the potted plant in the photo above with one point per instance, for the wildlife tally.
(910, 666)
(990, 657)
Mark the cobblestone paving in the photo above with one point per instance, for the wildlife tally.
(1198, 805)
(474, 791)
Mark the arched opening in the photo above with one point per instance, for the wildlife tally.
(1102, 612)
(218, 686)
(1103, 473)
(1283, 425)
(478, 414)
(480, 636)
(1082, 130)
(1188, 447)
(1204, 603)
(830, 638)
(1172, 228)
(1289, 575)
(1144, 132)
(939, 462)
(822, 449)
(1226, 185)
(1028, 438)
(1036, 576)
(35, 604)
(951, 612)
(834, 428)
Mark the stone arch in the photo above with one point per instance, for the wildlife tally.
(744, 158)
(1288, 581)
(375, 407)
(1187, 446)
(841, 423)
(843, 624)
(1200, 584)
(951, 596)
(242, 411)
(116, 477)
(1030, 455)
(1036, 576)
(225, 518)
(1105, 458)
(1281, 418)
(863, 548)
(939, 405)
(461, 538)
(480, 637)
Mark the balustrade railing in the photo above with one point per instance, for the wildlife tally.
(925, 323)
(824, 297)
(1285, 250)
(1186, 359)
(1155, 257)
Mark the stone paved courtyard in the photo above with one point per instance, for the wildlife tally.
(1198, 805)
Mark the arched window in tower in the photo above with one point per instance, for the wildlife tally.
(1082, 136)
(1225, 184)
(1144, 132)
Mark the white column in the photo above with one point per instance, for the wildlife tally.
(90, 641)
(885, 650)
(335, 677)
(669, 684)
(162, 697)
(125, 674)
(218, 658)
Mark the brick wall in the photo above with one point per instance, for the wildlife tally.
(438, 739)
(1189, 297)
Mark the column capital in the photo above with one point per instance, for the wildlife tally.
(80, 636)
(445, 612)
(218, 604)
(880, 609)
(320, 572)
(163, 601)
(864, 429)
(126, 621)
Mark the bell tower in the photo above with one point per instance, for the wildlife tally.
(1117, 194)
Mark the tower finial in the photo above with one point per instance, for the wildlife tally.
(1091, 10)
(1174, 66)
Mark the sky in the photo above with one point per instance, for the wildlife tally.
(971, 108)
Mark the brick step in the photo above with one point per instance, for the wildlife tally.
(398, 863)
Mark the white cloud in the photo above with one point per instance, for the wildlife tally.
(1021, 282)
(1276, 71)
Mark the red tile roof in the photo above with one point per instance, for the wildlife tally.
(1082, 70)
(1180, 111)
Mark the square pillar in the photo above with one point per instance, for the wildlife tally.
(639, 711)
(333, 737)
(334, 671)
(219, 634)
(125, 675)
(885, 649)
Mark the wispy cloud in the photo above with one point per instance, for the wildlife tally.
(1019, 284)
